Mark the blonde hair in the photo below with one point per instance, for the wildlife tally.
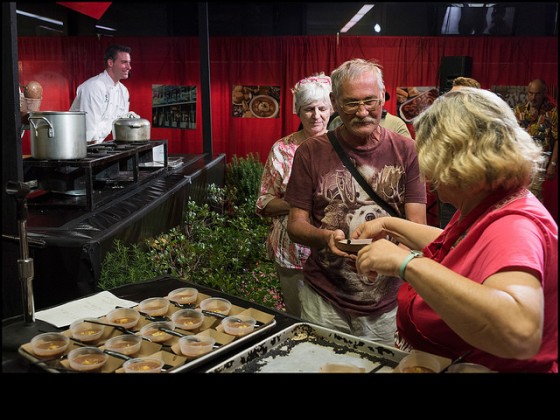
(471, 138)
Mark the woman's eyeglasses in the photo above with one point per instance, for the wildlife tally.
(369, 105)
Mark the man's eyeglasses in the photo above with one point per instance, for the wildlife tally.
(369, 105)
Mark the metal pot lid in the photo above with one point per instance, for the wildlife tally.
(131, 122)
(40, 113)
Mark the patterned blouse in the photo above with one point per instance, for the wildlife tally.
(543, 127)
(276, 173)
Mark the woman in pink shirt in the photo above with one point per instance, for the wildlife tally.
(487, 285)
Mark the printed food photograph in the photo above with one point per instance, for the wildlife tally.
(412, 101)
(255, 101)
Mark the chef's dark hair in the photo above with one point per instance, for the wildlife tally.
(112, 50)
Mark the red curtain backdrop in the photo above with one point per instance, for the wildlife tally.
(60, 64)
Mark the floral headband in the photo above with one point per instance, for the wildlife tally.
(314, 79)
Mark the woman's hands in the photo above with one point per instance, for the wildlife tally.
(382, 257)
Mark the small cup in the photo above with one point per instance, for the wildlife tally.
(51, 344)
(85, 331)
(187, 319)
(143, 365)
(239, 325)
(127, 344)
(153, 332)
(156, 306)
(196, 345)
(87, 359)
(418, 362)
(340, 367)
(183, 295)
(215, 304)
(468, 368)
(123, 317)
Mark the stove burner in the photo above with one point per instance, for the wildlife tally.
(108, 148)
(108, 167)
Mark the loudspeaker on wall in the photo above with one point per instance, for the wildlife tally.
(452, 67)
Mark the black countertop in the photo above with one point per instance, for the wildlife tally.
(15, 332)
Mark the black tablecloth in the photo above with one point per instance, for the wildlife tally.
(13, 328)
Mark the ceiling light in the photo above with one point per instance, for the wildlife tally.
(43, 18)
(357, 17)
(472, 4)
(50, 29)
(105, 28)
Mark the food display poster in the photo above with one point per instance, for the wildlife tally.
(174, 106)
(513, 95)
(255, 101)
(412, 101)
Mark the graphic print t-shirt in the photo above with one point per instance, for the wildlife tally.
(322, 185)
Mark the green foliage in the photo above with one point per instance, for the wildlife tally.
(243, 178)
(125, 264)
(220, 245)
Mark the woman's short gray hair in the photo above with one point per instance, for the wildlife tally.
(311, 89)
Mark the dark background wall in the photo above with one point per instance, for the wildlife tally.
(269, 19)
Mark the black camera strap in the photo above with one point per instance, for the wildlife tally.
(367, 188)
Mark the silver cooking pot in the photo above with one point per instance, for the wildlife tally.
(58, 135)
(131, 129)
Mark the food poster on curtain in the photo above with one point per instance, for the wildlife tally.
(174, 106)
(413, 100)
(255, 101)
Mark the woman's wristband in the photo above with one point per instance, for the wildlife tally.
(413, 254)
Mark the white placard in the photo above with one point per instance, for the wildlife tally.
(90, 307)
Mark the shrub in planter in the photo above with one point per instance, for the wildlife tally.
(220, 245)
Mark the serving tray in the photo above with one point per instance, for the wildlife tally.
(309, 348)
(169, 351)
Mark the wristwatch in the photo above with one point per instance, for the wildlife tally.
(413, 254)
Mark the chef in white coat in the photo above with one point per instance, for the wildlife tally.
(103, 97)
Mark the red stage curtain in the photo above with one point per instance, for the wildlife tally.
(60, 64)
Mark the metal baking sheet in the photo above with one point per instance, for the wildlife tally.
(170, 352)
(308, 348)
(225, 348)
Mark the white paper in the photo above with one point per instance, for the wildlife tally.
(90, 307)
(158, 154)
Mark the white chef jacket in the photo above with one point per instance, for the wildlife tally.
(103, 102)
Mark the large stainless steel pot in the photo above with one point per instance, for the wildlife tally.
(58, 135)
(131, 129)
